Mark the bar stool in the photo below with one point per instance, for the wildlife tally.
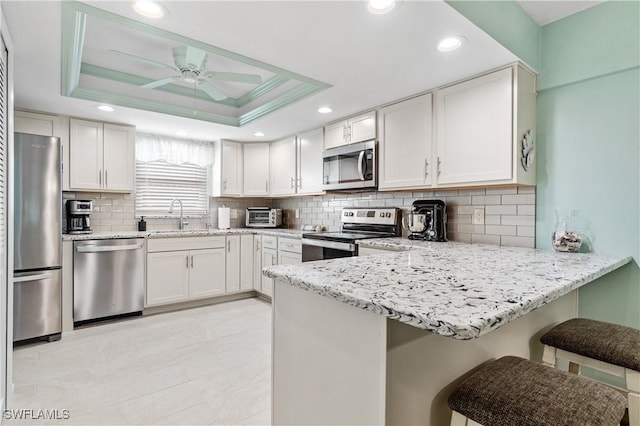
(611, 348)
(513, 391)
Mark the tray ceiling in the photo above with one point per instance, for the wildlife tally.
(110, 58)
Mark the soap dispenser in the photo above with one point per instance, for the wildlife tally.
(142, 225)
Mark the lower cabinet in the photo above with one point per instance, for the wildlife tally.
(269, 258)
(257, 263)
(289, 251)
(247, 260)
(182, 269)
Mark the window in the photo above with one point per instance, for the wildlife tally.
(171, 168)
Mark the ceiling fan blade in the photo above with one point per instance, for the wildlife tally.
(214, 93)
(140, 59)
(235, 77)
(159, 83)
(196, 57)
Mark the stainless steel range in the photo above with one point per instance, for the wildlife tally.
(357, 223)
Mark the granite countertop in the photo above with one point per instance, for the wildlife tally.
(456, 290)
(290, 233)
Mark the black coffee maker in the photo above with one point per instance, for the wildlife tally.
(78, 212)
(428, 220)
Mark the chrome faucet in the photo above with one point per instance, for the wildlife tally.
(183, 222)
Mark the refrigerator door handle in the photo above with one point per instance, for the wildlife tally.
(99, 249)
(33, 277)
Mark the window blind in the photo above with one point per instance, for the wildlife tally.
(158, 183)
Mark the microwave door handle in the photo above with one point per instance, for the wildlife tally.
(360, 165)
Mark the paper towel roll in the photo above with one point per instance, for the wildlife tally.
(224, 218)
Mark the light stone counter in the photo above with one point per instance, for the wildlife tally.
(167, 233)
(456, 290)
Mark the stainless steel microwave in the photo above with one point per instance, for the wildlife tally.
(352, 166)
(263, 217)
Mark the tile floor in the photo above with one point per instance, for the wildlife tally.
(202, 366)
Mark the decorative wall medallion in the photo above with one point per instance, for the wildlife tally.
(527, 150)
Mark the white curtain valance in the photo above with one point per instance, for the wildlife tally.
(173, 150)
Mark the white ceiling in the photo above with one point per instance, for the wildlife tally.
(547, 11)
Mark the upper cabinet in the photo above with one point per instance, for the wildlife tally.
(310, 162)
(296, 164)
(46, 125)
(405, 146)
(225, 175)
(356, 129)
(101, 156)
(485, 127)
(256, 169)
(480, 132)
(283, 167)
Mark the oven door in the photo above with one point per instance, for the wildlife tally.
(350, 167)
(323, 250)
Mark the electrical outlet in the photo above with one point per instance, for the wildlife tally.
(297, 213)
(478, 217)
(233, 214)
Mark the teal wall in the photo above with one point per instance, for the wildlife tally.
(588, 147)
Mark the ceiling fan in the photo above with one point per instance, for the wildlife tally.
(190, 64)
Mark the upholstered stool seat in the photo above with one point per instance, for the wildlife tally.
(611, 348)
(515, 391)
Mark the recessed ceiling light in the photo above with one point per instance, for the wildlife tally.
(450, 44)
(105, 108)
(258, 134)
(150, 9)
(181, 133)
(378, 7)
(324, 110)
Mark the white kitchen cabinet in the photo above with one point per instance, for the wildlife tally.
(247, 260)
(36, 123)
(269, 258)
(101, 156)
(233, 263)
(225, 174)
(480, 127)
(167, 278)
(184, 268)
(206, 273)
(257, 263)
(256, 169)
(355, 129)
(310, 167)
(283, 167)
(289, 251)
(406, 144)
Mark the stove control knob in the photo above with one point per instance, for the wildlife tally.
(388, 214)
(381, 214)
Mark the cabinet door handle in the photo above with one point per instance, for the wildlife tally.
(299, 183)
(192, 261)
(257, 245)
(439, 166)
(187, 259)
(292, 184)
(224, 184)
(426, 167)
(229, 246)
(100, 177)
(106, 180)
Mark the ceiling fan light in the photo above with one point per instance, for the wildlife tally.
(450, 44)
(324, 110)
(379, 7)
(105, 108)
(181, 133)
(149, 9)
(258, 134)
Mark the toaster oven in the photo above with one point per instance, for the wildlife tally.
(263, 217)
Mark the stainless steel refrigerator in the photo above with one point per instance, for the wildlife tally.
(37, 292)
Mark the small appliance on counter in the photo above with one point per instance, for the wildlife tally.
(263, 217)
(427, 220)
(78, 212)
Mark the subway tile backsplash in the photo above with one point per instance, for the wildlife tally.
(509, 213)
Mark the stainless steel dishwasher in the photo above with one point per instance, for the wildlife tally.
(108, 278)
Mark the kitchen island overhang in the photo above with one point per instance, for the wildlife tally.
(423, 320)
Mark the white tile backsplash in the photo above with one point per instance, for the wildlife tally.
(509, 212)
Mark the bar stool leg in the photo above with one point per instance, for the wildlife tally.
(633, 385)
